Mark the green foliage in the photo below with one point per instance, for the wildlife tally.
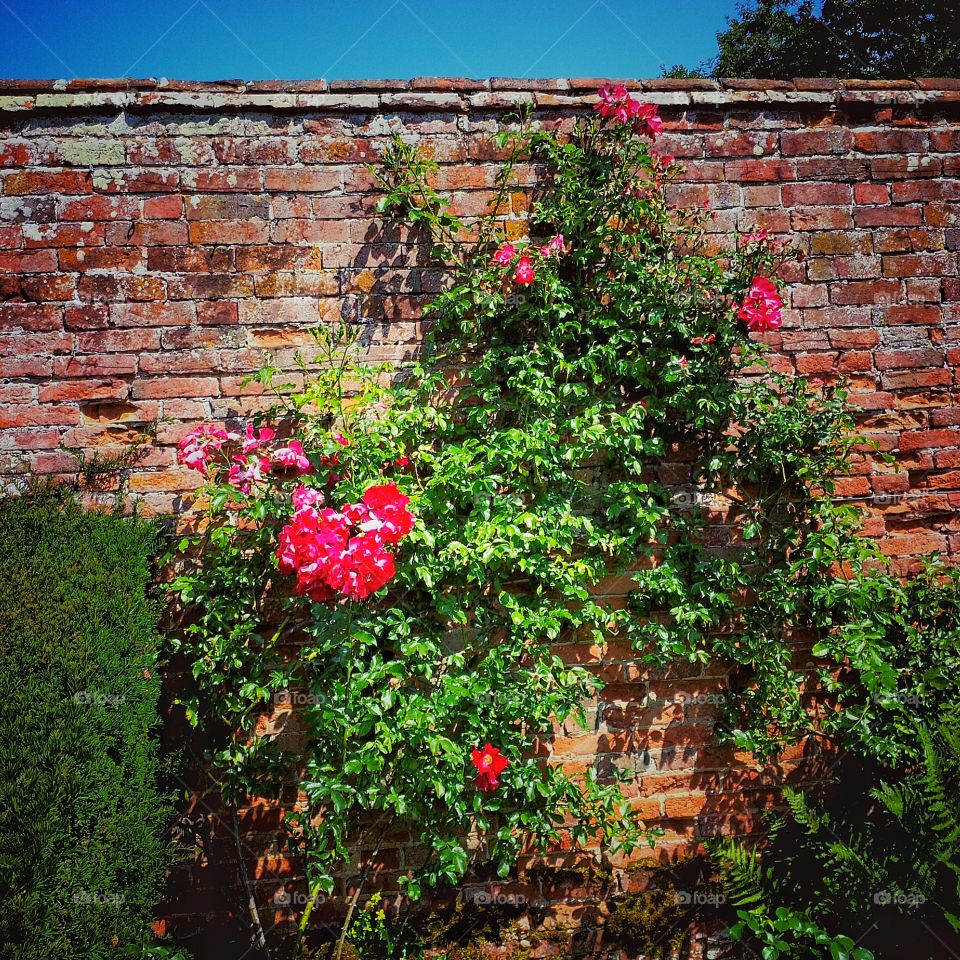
(895, 862)
(900, 643)
(81, 820)
(374, 937)
(597, 422)
(680, 72)
(783, 39)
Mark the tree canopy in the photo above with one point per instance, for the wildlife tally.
(782, 39)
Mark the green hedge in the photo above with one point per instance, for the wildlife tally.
(81, 818)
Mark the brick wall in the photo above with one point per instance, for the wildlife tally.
(157, 238)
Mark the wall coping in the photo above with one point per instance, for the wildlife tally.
(457, 94)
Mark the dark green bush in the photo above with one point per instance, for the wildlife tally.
(81, 817)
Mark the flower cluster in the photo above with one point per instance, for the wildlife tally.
(200, 443)
(252, 464)
(525, 272)
(343, 552)
(490, 763)
(617, 103)
(761, 306)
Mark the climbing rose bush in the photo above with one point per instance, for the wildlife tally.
(425, 562)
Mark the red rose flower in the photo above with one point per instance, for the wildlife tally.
(761, 306)
(490, 763)
(525, 272)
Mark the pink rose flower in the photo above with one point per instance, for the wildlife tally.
(196, 447)
(292, 457)
(525, 273)
(252, 442)
(761, 306)
(553, 247)
(505, 254)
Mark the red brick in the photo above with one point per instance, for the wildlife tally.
(929, 439)
(891, 141)
(912, 191)
(28, 261)
(912, 379)
(194, 361)
(210, 286)
(228, 180)
(148, 234)
(22, 415)
(30, 316)
(229, 231)
(278, 257)
(64, 235)
(100, 208)
(821, 218)
(190, 259)
(920, 265)
(45, 287)
(102, 365)
(176, 387)
(100, 258)
(86, 389)
(217, 313)
(812, 142)
(819, 194)
(907, 239)
(906, 359)
(945, 141)
(871, 193)
(872, 291)
(173, 314)
(120, 341)
(302, 179)
(165, 207)
(896, 315)
(916, 545)
(68, 182)
(140, 181)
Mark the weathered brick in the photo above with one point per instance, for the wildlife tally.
(63, 235)
(302, 179)
(153, 389)
(65, 183)
(218, 313)
(172, 314)
(28, 261)
(920, 265)
(818, 194)
(100, 258)
(814, 142)
(885, 140)
(229, 231)
(146, 234)
(877, 291)
(165, 207)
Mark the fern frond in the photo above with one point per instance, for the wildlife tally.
(746, 881)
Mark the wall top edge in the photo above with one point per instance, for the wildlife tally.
(455, 93)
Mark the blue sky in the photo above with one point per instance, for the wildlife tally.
(298, 39)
